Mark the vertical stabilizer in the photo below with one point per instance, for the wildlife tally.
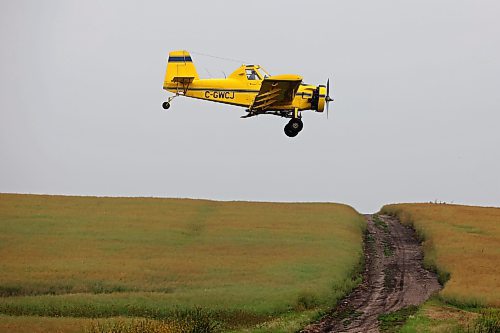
(180, 67)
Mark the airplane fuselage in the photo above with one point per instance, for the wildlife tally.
(238, 92)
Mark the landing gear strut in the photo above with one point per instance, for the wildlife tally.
(293, 127)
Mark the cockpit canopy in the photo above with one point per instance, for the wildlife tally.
(255, 72)
(250, 72)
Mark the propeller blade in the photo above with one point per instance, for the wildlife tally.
(327, 98)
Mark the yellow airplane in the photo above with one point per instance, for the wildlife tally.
(249, 86)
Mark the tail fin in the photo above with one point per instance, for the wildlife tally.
(180, 68)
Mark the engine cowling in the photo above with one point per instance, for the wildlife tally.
(319, 98)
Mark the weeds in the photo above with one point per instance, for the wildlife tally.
(351, 316)
(135, 326)
(92, 287)
(388, 249)
(306, 301)
(379, 223)
(486, 323)
(392, 322)
(186, 321)
(7, 291)
(369, 238)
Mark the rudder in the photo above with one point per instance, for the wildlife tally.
(180, 67)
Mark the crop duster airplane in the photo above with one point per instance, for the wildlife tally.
(249, 86)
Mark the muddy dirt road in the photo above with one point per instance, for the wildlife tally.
(394, 278)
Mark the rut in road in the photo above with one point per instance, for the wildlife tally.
(394, 278)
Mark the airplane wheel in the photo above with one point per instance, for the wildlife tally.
(165, 105)
(296, 124)
(290, 132)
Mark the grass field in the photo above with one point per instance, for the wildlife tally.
(245, 263)
(437, 316)
(463, 244)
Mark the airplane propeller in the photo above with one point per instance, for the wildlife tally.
(328, 99)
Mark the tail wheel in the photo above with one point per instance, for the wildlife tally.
(165, 105)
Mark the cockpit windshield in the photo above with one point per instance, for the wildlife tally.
(263, 73)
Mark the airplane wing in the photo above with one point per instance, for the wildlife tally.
(276, 90)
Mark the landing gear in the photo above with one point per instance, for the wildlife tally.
(296, 124)
(166, 104)
(293, 127)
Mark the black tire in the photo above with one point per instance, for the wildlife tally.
(296, 124)
(165, 105)
(290, 132)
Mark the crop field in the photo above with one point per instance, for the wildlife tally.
(66, 260)
(463, 244)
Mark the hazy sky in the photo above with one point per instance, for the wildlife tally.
(416, 115)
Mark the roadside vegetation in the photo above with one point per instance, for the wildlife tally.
(106, 263)
(438, 316)
(393, 321)
(462, 245)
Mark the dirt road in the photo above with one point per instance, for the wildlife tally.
(394, 278)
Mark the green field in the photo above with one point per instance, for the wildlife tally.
(245, 263)
(462, 243)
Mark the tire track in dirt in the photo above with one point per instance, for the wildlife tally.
(394, 278)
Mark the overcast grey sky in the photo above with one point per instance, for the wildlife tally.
(416, 114)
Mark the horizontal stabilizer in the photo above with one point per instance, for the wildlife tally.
(183, 79)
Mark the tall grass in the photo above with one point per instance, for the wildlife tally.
(462, 243)
(187, 321)
(486, 323)
(142, 257)
(438, 316)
